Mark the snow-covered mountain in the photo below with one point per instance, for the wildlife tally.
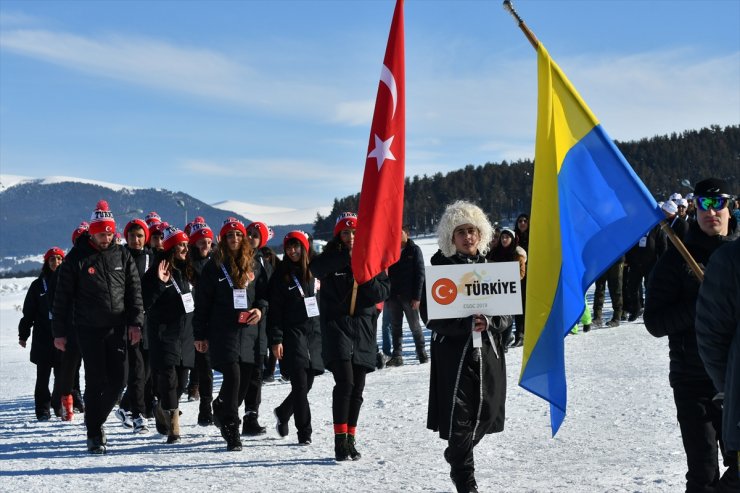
(38, 213)
(273, 215)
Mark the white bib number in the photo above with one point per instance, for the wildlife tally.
(240, 299)
(312, 307)
(187, 302)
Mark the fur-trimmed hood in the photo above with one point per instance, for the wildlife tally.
(456, 214)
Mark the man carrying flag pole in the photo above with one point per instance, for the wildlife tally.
(588, 208)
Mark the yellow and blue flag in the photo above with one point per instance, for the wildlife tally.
(588, 208)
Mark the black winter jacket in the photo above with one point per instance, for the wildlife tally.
(263, 273)
(217, 321)
(670, 309)
(102, 286)
(170, 329)
(289, 324)
(344, 337)
(407, 275)
(718, 334)
(460, 374)
(37, 314)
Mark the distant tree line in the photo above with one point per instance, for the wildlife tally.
(503, 190)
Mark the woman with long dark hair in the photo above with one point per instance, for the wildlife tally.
(37, 314)
(169, 309)
(229, 304)
(349, 338)
(295, 334)
(521, 230)
(507, 249)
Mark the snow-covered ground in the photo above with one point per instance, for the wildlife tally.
(620, 434)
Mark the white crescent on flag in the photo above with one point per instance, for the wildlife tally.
(386, 77)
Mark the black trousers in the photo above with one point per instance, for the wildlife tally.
(170, 381)
(633, 297)
(236, 377)
(135, 398)
(43, 399)
(253, 396)
(397, 308)
(203, 373)
(349, 383)
(104, 355)
(613, 278)
(67, 377)
(296, 403)
(701, 432)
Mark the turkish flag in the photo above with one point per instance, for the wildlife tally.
(379, 218)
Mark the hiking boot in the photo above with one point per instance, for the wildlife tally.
(304, 438)
(613, 323)
(67, 407)
(586, 328)
(230, 432)
(341, 448)
(124, 417)
(280, 426)
(635, 316)
(140, 425)
(353, 453)
(96, 444)
(268, 378)
(423, 357)
(43, 415)
(395, 361)
(193, 393)
(79, 402)
(380, 360)
(464, 483)
(174, 435)
(251, 426)
(205, 418)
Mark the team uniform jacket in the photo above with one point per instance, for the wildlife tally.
(290, 325)
(344, 337)
(103, 288)
(37, 313)
(170, 329)
(217, 321)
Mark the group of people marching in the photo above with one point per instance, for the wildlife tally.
(143, 314)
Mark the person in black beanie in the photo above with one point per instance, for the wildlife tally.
(670, 310)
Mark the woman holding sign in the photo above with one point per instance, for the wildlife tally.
(169, 307)
(229, 302)
(294, 332)
(349, 337)
(467, 390)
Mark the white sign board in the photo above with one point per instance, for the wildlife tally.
(461, 290)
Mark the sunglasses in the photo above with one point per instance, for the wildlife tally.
(716, 203)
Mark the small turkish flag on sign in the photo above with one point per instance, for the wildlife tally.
(379, 219)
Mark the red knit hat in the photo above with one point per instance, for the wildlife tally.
(346, 220)
(152, 218)
(172, 237)
(139, 223)
(101, 220)
(82, 228)
(189, 226)
(299, 235)
(53, 251)
(158, 228)
(199, 230)
(263, 230)
(230, 224)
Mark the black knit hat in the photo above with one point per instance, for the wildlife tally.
(712, 187)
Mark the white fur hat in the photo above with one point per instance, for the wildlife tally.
(457, 214)
(670, 207)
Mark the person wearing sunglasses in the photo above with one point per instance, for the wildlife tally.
(229, 303)
(670, 310)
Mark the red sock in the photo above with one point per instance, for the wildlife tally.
(340, 428)
(351, 430)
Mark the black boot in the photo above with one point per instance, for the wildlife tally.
(217, 412)
(341, 448)
(353, 453)
(251, 426)
(230, 432)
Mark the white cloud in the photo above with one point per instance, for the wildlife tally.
(354, 113)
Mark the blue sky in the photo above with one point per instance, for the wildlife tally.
(271, 102)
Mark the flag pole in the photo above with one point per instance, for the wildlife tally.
(509, 7)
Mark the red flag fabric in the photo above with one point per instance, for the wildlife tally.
(379, 218)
